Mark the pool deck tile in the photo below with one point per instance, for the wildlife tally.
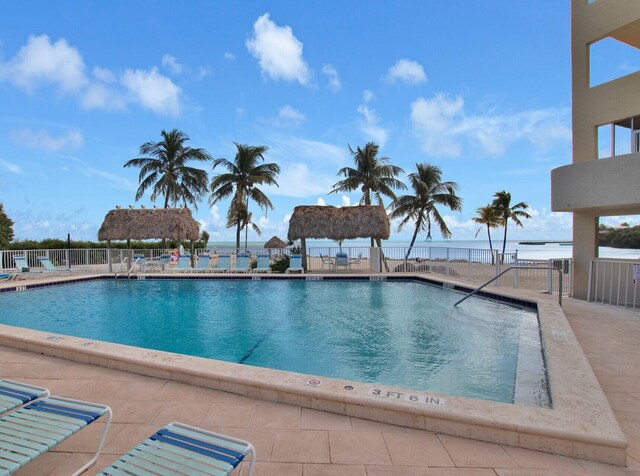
(297, 446)
(300, 442)
(348, 447)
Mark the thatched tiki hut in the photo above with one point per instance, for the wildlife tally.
(148, 224)
(344, 223)
(275, 242)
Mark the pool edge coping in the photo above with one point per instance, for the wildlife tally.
(581, 423)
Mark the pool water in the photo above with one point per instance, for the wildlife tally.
(405, 334)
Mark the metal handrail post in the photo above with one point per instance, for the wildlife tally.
(506, 271)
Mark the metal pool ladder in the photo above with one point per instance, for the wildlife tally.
(517, 267)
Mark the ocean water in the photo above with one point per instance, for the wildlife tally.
(549, 250)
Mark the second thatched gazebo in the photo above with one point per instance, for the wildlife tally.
(275, 242)
(147, 224)
(337, 223)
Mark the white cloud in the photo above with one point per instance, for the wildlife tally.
(41, 62)
(321, 202)
(312, 151)
(171, 63)
(443, 128)
(278, 51)
(99, 96)
(332, 76)
(10, 167)
(296, 180)
(407, 71)
(288, 117)
(116, 181)
(346, 201)
(369, 125)
(71, 140)
(229, 56)
(203, 72)
(153, 90)
(104, 75)
(368, 96)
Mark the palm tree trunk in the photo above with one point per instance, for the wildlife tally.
(413, 240)
(246, 234)
(504, 240)
(490, 245)
(238, 236)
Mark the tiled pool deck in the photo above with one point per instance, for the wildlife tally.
(291, 440)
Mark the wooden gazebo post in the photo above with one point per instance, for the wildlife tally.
(303, 250)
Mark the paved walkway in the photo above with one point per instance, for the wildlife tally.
(297, 441)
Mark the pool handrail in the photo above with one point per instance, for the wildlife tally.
(468, 295)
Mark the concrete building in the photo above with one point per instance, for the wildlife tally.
(604, 177)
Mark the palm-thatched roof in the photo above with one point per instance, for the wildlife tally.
(275, 242)
(149, 223)
(344, 223)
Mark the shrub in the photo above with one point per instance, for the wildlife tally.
(280, 264)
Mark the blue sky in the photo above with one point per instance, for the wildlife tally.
(480, 89)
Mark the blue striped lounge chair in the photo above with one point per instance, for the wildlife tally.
(184, 263)
(8, 276)
(342, 261)
(22, 265)
(182, 449)
(49, 267)
(242, 264)
(14, 394)
(222, 265)
(203, 263)
(295, 264)
(37, 427)
(262, 265)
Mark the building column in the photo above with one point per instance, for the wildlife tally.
(585, 249)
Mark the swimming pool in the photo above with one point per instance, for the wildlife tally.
(404, 334)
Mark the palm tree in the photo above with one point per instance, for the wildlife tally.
(373, 175)
(502, 204)
(245, 218)
(421, 208)
(487, 216)
(240, 182)
(167, 173)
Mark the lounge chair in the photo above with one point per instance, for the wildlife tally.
(182, 449)
(14, 394)
(49, 267)
(262, 265)
(295, 264)
(203, 263)
(222, 264)
(327, 261)
(242, 264)
(36, 428)
(21, 264)
(184, 263)
(8, 276)
(342, 260)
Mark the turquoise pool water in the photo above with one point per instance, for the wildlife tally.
(404, 334)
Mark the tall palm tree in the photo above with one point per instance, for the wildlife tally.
(487, 216)
(245, 218)
(165, 170)
(421, 208)
(502, 204)
(373, 175)
(241, 182)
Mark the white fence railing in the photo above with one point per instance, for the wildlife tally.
(612, 282)
(478, 265)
